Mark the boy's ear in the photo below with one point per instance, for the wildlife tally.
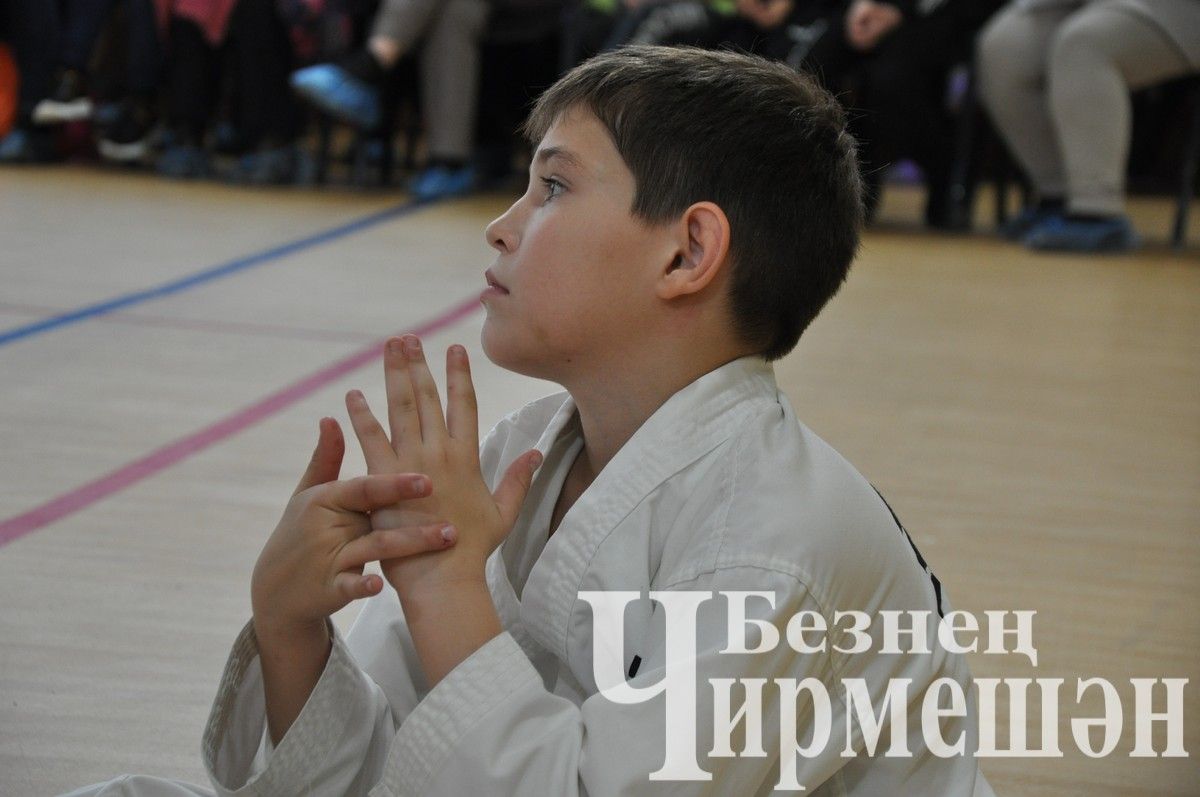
(702, 245)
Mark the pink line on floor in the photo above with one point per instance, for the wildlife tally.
(115, 481)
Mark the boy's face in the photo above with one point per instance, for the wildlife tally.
(578, 268)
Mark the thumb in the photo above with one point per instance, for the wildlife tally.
(515, 485)
(326, 462)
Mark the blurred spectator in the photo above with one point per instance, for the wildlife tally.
(751, 25)
(1055, 75)
(249, 37)
(449, 35)
(898, 55)
(521, 58)
(323, 29)
(32, 29)
(593, 26)
(756, 26)
(125, 139)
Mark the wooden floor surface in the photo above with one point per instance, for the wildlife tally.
(1033, 419)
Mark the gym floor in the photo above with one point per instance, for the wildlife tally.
(166, 350)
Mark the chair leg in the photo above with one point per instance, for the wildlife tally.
(962, 194)
(1187, 178)
(360, 158)
(324, 142)
(387, 134)
(387, 161)
(412, 133)
(1002, 175)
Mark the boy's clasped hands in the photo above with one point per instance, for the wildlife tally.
(423, 511)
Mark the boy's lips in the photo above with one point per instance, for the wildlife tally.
(493, 282)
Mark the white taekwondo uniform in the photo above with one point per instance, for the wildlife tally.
(721, 489)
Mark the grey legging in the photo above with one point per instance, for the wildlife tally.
(1056, 80)
(449, 33)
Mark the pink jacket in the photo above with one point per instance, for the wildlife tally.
(212, 16)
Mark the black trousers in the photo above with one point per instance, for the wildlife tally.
(82, 23)
(33, 29)
(898, 108)
(253, 62)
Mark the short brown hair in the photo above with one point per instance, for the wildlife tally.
(765, 143)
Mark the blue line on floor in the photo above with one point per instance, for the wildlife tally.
(215, 272)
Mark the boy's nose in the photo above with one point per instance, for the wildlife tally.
(501, 234)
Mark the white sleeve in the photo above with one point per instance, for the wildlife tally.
(337, 744)
(491, 726)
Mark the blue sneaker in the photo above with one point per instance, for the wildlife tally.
(440, 181)
(23, 145)
(184, 161)
(338, 93)
(17, 147)
(1065, 234)
(276, 166)
(1015, 229)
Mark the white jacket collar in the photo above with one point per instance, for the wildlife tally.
(689, 424)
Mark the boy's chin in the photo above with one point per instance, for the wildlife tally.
(504, 353)
(499, 350)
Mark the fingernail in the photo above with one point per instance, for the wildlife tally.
(535, 461)
(419, 484)
(412, 345)
(393, 347)
(448, 534)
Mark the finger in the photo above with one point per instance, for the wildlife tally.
(515, 485)
(326, 460)
(403, 418)
(429, 402)
(353, 586)
(462, 408)
(376, 447)
(395, 544)
(368, 493)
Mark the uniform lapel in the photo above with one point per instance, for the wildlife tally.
(689, 424)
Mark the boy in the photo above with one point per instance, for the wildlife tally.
(654, 267)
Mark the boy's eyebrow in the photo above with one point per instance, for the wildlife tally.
(549, 153)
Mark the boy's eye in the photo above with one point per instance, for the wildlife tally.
(553, 188)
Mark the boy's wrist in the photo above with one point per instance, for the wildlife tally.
(292, 657)
(277, 634)
(449, 621)
(448, 578)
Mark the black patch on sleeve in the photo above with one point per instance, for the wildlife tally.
(937, 585)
